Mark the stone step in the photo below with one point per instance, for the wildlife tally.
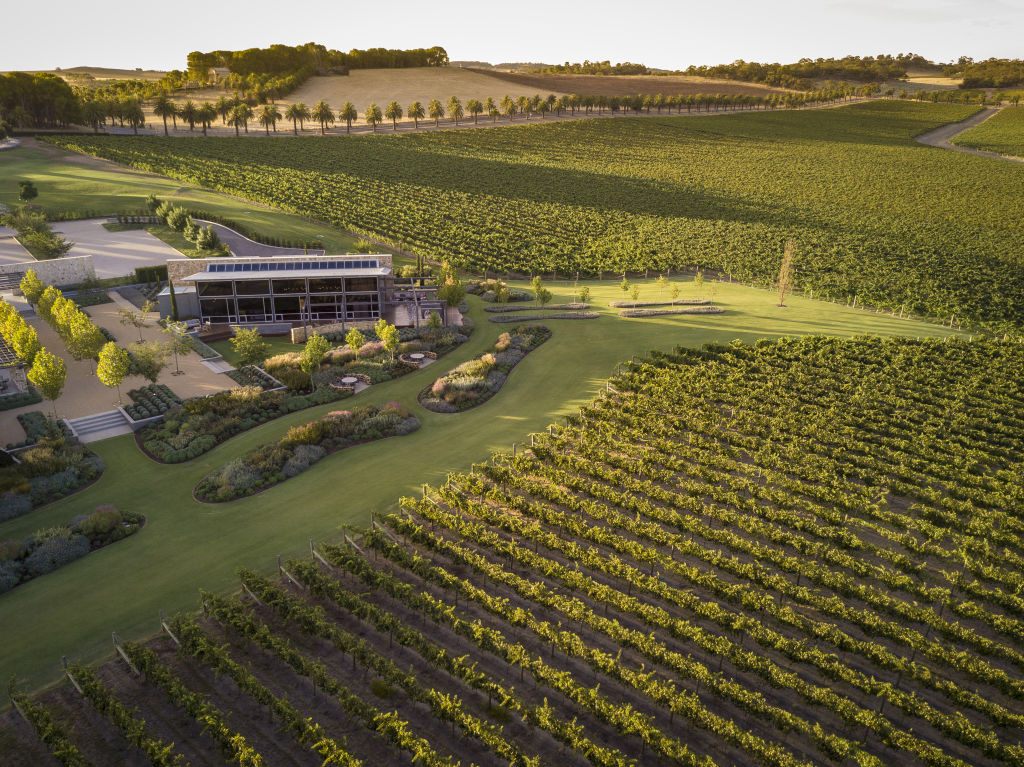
(99, 426)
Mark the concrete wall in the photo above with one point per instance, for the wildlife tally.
(60, 272)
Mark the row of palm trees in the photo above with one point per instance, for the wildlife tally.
(238, 113)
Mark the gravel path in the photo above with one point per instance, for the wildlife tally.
(942, 137)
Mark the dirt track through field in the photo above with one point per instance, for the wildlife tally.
(943, 137)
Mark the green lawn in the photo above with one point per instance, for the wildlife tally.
(275, 344)
(69, 182)
(187, 545)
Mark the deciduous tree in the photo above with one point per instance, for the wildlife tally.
(249, 345)
(113, 366)
(48, 375)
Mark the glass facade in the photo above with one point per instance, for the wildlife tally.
(312, 299)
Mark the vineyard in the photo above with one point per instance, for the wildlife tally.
(1002, 134)
(873, 214)
(795, 553)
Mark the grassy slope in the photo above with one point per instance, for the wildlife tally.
(68, 182)
(873, 212)
(187, 545)
(1003, 134)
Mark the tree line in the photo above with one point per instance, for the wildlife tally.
(801, 74)
(991, 73)
(239, 114)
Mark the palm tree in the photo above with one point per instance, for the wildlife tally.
(543, 108)
(508, 107)
(373, 116)
(206, 115)
(163, 107)
(524, 106)
(223, 107)
(134, 115)
(240, 116)
(474, 107)
(416, 113)
(349, 114)
(269, 116)
(323, 115)
(436, 110)
(552, 99)
(394, 113)
(491, 108)
(455, 109)
(188, 113)
(298, 114)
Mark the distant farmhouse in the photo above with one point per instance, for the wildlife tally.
(216, 74)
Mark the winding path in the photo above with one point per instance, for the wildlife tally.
(943, 137)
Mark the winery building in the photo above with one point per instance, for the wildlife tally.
(294, 290)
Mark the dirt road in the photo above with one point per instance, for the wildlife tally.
(943, 137)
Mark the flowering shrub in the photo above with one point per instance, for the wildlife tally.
(54, 468)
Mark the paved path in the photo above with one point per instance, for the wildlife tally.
(243, 247)
(942, 137)
(115, 254)
(12, 251)
(84, 395)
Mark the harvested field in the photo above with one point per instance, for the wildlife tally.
(624, 85)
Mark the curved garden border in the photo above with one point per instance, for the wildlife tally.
(680, 310)
(426, 401)
(406, 423)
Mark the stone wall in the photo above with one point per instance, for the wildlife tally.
(60, 272)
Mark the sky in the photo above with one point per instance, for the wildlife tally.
(660, 33)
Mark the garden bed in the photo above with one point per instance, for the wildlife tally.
(503, 308)
(474, 382)
(201, 424)
(677, 310)
(301, 447)
(517, 317)
(54, 468)
(37, 426)
(46, 550)
(492, 291)
(12, 401)
(252, 375)
(639, 304)
(150, 401)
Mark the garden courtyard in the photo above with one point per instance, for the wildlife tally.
(186, 544)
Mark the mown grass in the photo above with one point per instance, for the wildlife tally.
(187, 545)
(70, 183)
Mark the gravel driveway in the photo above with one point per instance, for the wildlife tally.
(115, 254)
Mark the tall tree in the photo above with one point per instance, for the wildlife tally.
(393, 112)
(474, 107)
(323, 114)
(240, 116)
(355, 339)
(416, 113)
(455, 110)
(25, 344)
(178, 343)
(786, 272)
(436, 110)
(374, 116)
(48, 374)
(298, 113)
(189, 112)
(269, 116)
(349, 114)
(206, 115)
(223, 107)
(94, 113)
(491, 109)
(112, 366)
(508, 107)
(151, 359)
(163, 108)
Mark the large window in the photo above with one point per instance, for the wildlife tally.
(289, 286)
(360, 284)
(287, 308)
(253, 287)
(252, 309)
(325, 284)
(217, 310)
(215, 288)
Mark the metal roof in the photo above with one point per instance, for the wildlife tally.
(286, 275)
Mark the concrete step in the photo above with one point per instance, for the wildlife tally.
(92, 428)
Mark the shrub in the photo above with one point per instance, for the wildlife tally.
(14, 504)
(10, 550)
(100, 522)
(304, 457)
(293, 378)
(54, 553)
(10, 575)
(310, 433)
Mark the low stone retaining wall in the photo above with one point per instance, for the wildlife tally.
(59, 272)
